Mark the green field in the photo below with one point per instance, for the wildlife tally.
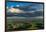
(23, 25)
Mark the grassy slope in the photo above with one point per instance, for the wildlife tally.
(21, 23)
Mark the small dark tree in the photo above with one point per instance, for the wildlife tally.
(24, 26)
(39, 25)
(10, 27)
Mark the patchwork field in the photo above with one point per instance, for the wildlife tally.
(23, 23)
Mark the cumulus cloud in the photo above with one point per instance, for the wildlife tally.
(15, 10)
